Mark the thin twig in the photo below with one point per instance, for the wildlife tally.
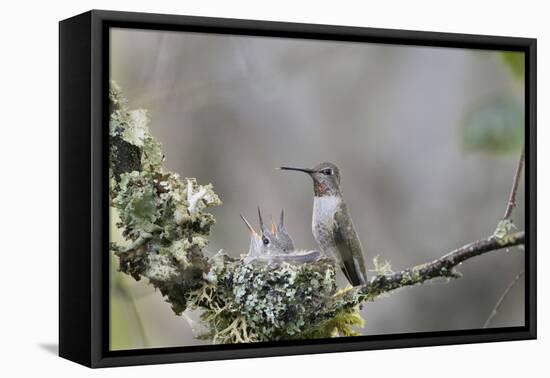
(501, 299)
(441, 267)
(122, 289)
(512, 198)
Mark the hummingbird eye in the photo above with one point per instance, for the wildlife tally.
(328, 171)
(265, 240)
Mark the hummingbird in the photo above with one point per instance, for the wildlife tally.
(274, 244)
(332, 226)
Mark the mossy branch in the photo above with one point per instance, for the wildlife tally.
(443, 267)
(166, 227)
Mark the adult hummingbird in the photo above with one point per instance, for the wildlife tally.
(274, 244)
(332, 225)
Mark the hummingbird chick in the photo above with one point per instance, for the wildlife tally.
(332, 225)
(274, 244)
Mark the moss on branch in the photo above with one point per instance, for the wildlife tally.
(443, 267)
(166, 226)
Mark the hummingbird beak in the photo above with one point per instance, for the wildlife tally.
(250, 228)
(305, 170)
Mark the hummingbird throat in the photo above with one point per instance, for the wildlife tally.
(320, 189)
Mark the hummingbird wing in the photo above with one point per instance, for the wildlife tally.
(348, 247)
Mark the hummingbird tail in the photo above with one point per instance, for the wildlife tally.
(353, 272)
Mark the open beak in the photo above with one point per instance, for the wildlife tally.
(250, 228)
(305, 170)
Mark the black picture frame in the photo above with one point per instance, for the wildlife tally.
(83, 196)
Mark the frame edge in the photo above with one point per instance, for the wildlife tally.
(97, 73)
(75, 336)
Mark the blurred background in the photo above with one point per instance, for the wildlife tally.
(427, 141)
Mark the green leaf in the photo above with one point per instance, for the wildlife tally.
(515, 62)
(495, 126)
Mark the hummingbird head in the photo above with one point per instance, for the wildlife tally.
(326, 178)
(270, 240)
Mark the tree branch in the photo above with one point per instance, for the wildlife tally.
(165, 225)
(501, 299)
(441, 267)
(444, 266)
(512, 198)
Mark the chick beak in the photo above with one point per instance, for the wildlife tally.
(273, 228)
(250, 228)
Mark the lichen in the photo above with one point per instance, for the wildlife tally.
(503, 232)
(381, 268)
(263, 302)
(341, 324)
(160, 268)
(164, 233)
(412, 276)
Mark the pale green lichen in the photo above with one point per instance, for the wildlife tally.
(413, 276)
(503, 231)
(136, 129)
(249, 303)
(381, 268)
(116, 99)
(416, 276)
(343, 323)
